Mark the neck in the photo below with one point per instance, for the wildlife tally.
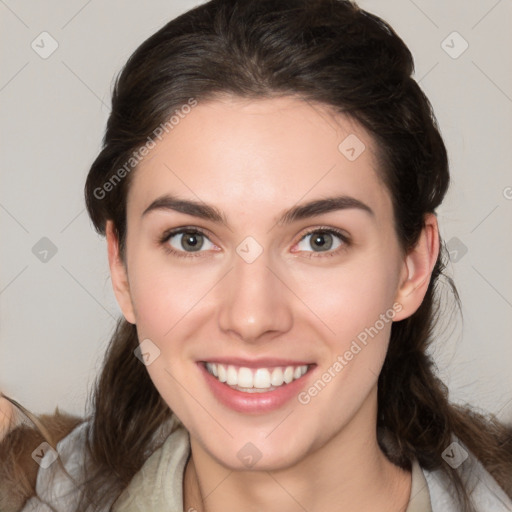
(349, 471)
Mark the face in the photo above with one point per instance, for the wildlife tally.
(258, 296)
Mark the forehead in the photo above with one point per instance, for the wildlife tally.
(267, 153)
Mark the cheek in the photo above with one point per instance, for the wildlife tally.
(173, 301)
(351, 297)
(161, 294)
(356, 303)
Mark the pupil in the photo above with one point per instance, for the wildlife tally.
(322, 243)
(191, 239)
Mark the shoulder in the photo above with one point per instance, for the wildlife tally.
(64, 471)
(159, 483)
(21, 455)
(485, 492)
(61, 471)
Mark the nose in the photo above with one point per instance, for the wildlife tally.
(255, 302)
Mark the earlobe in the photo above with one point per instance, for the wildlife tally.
(118, 274)
(417, 270)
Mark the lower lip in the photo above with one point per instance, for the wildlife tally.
(253, 402)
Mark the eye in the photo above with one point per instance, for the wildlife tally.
(322, 238)
(184, 242)
(181, 241)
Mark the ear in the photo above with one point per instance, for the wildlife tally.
(417, 269)
(118, 274)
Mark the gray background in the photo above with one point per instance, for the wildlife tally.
(58, 309)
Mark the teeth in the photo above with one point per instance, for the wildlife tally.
(277, 377)
(261, 379)
(250, 380)
(244, 378)
(232, 376)
(221, 369)
(288, 374)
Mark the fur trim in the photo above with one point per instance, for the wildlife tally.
(18, 470)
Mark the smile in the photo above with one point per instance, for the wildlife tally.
(255, 380)
(256, 387)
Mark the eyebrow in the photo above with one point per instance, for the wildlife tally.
(296, 213)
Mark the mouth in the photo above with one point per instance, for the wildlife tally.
(256, 386)
(256, 380)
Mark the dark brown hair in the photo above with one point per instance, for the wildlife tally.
(325, 51)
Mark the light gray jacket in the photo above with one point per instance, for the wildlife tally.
(157, 487)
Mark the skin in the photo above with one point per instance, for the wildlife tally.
(254, 159)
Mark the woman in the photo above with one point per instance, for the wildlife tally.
(267, 188)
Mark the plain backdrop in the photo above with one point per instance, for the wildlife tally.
(57, 307)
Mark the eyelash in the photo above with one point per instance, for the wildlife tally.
(194, 231)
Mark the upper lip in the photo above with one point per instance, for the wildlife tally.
(264, 362)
